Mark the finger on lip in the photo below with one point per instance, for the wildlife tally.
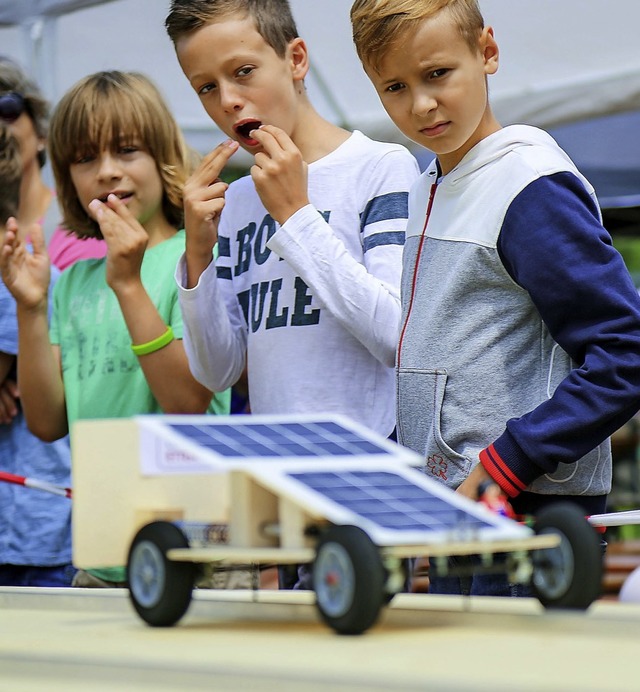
(95, 205)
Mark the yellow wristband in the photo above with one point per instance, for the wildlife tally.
(155, 345)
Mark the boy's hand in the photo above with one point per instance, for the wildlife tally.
(279, 173)
(469, 487)
(203, 203)
(126, 241)
(25, 274)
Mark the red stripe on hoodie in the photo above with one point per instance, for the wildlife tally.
(500, 472)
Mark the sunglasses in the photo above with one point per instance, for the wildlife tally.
(12, 106)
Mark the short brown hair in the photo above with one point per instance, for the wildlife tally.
(378, 24)
(273, 18)
(96, 113)
(13, 78)
(10, 174)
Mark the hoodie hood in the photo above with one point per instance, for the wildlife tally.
(508, 140)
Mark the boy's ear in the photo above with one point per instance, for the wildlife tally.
(489, 50)
(299, 59)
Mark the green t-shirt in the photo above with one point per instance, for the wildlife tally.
(102, 377)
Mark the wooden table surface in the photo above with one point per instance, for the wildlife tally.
(91, 640)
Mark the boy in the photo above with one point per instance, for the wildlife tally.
(309, 244)
(520, 337)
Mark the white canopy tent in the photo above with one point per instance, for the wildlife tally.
(562, 62)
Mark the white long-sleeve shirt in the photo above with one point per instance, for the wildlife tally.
(313, 306)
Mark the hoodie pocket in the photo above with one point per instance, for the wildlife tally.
(420, 399)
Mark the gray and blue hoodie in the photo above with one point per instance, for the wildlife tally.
(520, 335)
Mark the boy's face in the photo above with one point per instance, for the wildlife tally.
(127, 171)
(240, 79)
(434, 88)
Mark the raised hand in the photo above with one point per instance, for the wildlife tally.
(25, 274)
(126, 241)
(203, 198)
(279, 173)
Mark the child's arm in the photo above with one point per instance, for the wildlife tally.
(26, 276)
(166, 369)
(363, 296)
(579, 284)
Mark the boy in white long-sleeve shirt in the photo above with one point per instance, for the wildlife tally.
(305, 290)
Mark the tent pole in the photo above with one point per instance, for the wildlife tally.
(39, 39)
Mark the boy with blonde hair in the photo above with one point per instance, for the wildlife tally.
(519, 349)
(306, 289)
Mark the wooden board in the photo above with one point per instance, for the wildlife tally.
(80, 639)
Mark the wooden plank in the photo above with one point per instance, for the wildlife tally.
(81, 639)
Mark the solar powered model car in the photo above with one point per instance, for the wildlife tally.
(293, 490)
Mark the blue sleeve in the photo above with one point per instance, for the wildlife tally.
(8, 322)
(554, 246)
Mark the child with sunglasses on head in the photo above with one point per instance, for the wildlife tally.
(115, 344)
(25, 111)
(35, 526)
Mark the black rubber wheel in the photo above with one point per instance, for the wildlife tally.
(570, 575)
(348, 579)
(160, 589)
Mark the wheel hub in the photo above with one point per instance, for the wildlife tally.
(335, 579)
(147, 574)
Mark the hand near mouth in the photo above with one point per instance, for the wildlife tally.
(203, 203)
(126, 241)
(280, 173)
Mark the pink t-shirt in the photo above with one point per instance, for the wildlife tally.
(65, 248)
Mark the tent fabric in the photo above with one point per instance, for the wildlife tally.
(20, 11)
(563, 63)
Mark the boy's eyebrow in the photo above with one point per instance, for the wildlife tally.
(230, 61)
(433, 64)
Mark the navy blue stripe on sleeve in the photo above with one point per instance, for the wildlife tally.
(394, 205)
(223, 272)
(378, 239)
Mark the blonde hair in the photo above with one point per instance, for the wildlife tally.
(10, 174)
(378, 24)
(97, 113)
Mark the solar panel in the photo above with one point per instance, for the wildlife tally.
(201, 444)
(328, 467)
(389, 500)
(279, 440)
